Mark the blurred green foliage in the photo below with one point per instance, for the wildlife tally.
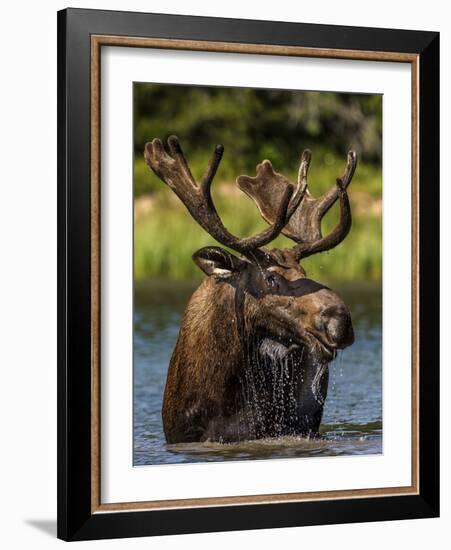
(254, 124)
(165, 240)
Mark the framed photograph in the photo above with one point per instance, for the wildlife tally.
(248, 274)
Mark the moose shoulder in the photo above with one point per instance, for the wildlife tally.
(252, 355)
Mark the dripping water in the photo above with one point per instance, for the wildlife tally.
(272, 384)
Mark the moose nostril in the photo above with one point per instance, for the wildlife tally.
(337, 323)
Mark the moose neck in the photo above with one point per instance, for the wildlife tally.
(209, 330)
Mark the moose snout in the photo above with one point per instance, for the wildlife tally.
(336, 321)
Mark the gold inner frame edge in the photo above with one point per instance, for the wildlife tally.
(97, 41)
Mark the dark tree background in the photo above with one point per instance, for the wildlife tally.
(254, 124)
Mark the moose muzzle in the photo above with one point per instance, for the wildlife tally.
(336, 322)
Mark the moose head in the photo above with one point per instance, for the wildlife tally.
(252, 356)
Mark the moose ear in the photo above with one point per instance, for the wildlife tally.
(214, 260)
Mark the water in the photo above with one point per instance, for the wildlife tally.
(352, 420)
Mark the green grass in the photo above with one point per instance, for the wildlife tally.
(167, 236)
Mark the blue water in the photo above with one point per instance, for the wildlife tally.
(352, 421)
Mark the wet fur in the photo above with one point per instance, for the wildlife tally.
(213, 393)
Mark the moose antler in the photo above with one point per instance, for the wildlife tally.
(173, 170)
(304, 226)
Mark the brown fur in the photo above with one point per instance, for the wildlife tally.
(202, 369)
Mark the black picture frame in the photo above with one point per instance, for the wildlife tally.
(76, 521)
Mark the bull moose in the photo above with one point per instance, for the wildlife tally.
(257, 336)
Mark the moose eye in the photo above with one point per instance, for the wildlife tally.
(271, 280)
